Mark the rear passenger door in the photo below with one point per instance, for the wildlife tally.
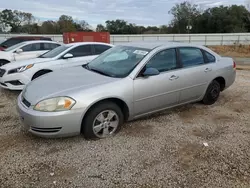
(195, 74)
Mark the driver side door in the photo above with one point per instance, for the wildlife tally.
(160, 91)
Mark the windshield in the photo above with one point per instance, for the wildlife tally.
(14, 47)
(55, 52)
(118, 61)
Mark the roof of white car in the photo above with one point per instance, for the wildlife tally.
(154, 44)
(82, 43)
(36, 41)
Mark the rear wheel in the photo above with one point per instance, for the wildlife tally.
(212, 93)
(40, 73)
(3, 62)
(102, 121)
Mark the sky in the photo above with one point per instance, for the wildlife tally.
(140, 12)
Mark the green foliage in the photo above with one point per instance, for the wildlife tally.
(222, 19)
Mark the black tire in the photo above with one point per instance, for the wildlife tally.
(40, 73)
(212, 93)
(3, 62)
(87, 125)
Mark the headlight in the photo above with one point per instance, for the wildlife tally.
(55, 104)
(20, 69)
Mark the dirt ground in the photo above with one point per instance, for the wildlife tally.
(242, 51)
(163, 150)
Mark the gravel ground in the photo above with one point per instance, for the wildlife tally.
(164, 150)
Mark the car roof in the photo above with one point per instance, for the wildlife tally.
(154, 44)
(82, 43)
(37, 41)
(29, 37)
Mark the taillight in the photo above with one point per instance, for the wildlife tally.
(234, 65)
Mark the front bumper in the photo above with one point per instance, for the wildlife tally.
(14, 81)
(50, 124)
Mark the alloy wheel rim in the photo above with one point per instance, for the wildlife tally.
(105, 123)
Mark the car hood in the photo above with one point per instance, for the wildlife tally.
(61, 82)
(20, 63)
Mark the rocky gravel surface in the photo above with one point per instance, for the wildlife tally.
(163, 150)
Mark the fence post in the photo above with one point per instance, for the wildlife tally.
(128, 38)
(221, 40)
(205, 40)
(173, 37)
(189, 38)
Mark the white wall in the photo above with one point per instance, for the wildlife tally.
(203, 39)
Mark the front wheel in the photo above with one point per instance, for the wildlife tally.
(212, 93)
(102, 121)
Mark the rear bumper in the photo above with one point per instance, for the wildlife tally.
(230, 78)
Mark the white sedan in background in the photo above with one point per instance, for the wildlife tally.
(15, 76)
(26, 50)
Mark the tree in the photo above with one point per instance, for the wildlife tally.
(184, 14)
(100, 28)
(82, 25)
(15, 19)
(66, 24)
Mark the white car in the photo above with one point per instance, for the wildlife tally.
(15, 76)
(26, 50)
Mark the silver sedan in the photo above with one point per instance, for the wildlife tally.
(124, 83)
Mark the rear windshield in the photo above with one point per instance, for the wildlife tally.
(11, 42)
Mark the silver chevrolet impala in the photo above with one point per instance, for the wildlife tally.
(126, 82)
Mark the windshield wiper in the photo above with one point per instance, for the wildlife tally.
(98, 71)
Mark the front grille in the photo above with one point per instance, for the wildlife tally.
(46, 130)
(25, 102)
(2, 72)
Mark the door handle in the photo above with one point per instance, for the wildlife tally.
(207, 69)
(173, 77)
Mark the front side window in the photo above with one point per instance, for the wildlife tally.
(98, 48)
(191, 56)
(163, 61)
(55, 52)
(80, 51)
(32, 47)
(14, 47)
(118, 61)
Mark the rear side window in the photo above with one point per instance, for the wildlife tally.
(32, 47)
(98, 48)
(191, 56)
(80, 51)
(210, 57)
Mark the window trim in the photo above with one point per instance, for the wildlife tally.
(74, 47)
(41, 47)
(201, 50)
(178, 65)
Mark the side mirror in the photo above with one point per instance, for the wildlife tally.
(150, 72)
(67, 56)
(18, 51)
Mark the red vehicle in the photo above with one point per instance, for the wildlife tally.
(71, 37)
(15, 40)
